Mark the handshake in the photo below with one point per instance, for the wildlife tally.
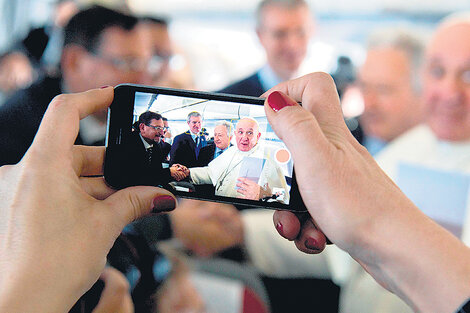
(179, 172)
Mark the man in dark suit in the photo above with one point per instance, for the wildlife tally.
(101, 47)
(186, 146)
(143, 155)
(284, 29)
(222, 137)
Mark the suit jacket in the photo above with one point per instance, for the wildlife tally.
(21, 115)
(183, 150)
(250, 86)
(206, 155)
(165, 147)
(130, 164)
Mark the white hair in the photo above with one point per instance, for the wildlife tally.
(228, 126)
(406, 40)
(455, 19)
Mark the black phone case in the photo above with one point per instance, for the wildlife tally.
(120, 118)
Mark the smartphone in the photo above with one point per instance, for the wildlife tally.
(221, 147)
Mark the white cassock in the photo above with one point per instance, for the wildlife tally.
(223, 172)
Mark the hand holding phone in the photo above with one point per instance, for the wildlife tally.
(237, 160)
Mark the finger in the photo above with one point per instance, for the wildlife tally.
(129, 204)
(88, 161)
(241, 185)
(63, 116)
(287, 224)
(318, 95)
(242, 191)
(311, 239)
(115, 296)
(96, 187)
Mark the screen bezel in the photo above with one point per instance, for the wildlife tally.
(120, 118)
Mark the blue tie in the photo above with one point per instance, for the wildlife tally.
(198, 146)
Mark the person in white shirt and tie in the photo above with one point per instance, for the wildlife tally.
(186, 146)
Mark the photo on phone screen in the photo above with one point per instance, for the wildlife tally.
(198, 145)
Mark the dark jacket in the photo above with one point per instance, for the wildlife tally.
(21, 115)
(183, 150)
(250, 86)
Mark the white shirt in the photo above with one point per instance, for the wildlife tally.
(417, 146)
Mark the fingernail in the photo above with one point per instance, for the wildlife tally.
(279, 228)
(311, 244)
(163, 204)
(106, 86)
(277, 100)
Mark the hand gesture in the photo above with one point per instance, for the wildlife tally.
(248, 189)
(179, 172)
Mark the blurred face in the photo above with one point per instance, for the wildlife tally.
(284, 33)
(391, 105)
(447, 83)
(153, 131)
(221, 139)
(122, 57)
(195, 124)
(162, 50)
(246, 134)
(166, 131)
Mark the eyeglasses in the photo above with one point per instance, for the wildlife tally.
(157, 127)
(131, 64)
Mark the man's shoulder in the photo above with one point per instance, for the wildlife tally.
(249, 86)
(412, 146)
(210, 147)
(181, 136)
(36, 97)
(412, 140)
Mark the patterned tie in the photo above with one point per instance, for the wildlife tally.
(149, 154)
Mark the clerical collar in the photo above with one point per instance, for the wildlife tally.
(146, 144)
(268, 77)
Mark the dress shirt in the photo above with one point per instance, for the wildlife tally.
(268, 78)
(373, 144)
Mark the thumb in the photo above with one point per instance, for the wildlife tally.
(131, 203)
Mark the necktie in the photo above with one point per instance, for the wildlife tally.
(149, 155)
(198, 146)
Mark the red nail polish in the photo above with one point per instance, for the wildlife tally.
(311, 244)
(277, 100)
(163, 203)
(103, 87)
(279, 228)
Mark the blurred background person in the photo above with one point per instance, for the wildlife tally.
(284, 28)
(436, 150)
(101, 47)
(156, 29)
(167, 137)
(390, 83)
(37, 53)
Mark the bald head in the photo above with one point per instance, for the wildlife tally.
(247, 134)
(446, 80)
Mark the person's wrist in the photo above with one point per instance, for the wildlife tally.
(41, 292)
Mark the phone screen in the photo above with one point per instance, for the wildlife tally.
(211, 147)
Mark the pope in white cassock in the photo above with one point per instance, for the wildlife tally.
(224, 171)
